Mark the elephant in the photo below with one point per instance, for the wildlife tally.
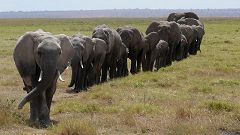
(181, 48)
(161, 51)
(191, 35)
(82, 62)
(197, 26)
(122, 64)
(87, 61)
(176, 16)
(169, 30)
(200, 33)
(45, 57)
(114, 43)
(134, 41)
(151, 40)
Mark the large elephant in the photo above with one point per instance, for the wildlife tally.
(134, 41)
(176, 16)
(173, 32)
(198, 26)
(40, 58)
(114, 43)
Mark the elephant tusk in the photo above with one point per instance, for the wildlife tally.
(60, 77)
(81, 64)
(40, 77)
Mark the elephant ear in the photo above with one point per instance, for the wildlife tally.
(88, 48)
(67, 52)
(24, 56)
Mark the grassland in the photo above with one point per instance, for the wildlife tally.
(199, 95)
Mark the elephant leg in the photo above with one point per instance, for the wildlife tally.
(119, 68)
(90, 76)
(98, 74)
(112, 71)
(34, 104)
(152, 60)
(144, 61)
(148, 59)
(133, 69)
(139, 61)
(169, 56)
(79, 82)
(157, 64)
(199, 44)
(104, 71)
(125, 67)
(44, 111)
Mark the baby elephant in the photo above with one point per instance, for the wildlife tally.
(162, 49)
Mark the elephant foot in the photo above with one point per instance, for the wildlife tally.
(45, 123)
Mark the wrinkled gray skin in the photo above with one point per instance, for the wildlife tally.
(122, 66)
(82, 62)
(173, 36)
(191, 35)
(151, 40)
(181, 48)
(99, 52)
(199, 27)
(161, 50)
(46, 53)
(134, 41)
(176, 16)
(114, 43)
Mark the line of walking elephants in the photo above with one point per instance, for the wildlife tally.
(42, 57)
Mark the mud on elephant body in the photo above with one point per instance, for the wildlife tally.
(134, 41)
(49, 56)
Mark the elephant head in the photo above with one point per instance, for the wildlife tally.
(126, 36)
(77, 60)
(42, 50)
(104, 33)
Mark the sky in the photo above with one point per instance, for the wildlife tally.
(56, 5)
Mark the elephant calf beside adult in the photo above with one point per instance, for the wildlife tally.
(41, 53)
(171, 33)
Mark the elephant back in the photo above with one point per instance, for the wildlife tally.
(153, 27)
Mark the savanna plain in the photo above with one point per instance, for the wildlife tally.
(197, 96)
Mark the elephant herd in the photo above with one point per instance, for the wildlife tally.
(42, 57)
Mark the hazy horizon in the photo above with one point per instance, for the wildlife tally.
(71, 5)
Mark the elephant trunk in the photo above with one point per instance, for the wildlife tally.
(49, 72)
